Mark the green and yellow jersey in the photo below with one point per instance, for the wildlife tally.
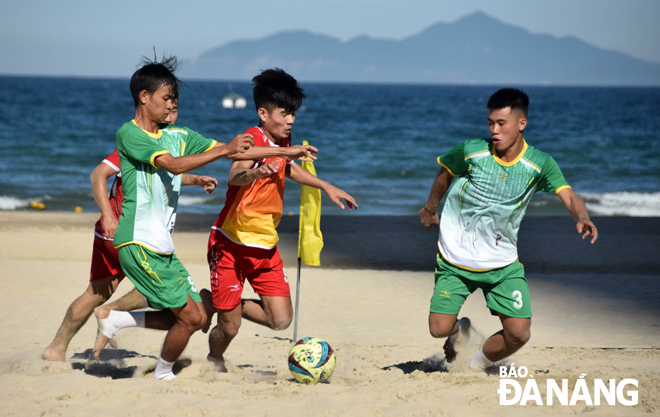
(151, 194)
(487, 201)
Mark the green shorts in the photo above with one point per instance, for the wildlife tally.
(162, 279)
(505, 289)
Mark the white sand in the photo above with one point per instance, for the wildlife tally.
(387, 363)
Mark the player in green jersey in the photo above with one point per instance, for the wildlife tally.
(489, 183)
(104, 276)
(152, 160)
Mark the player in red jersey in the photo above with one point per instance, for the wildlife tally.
(243, 239)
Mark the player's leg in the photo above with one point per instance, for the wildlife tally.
(229, 322)
(443, 325)
(207, 306)
(97, 292)
(271, 311)
(268, 278)
(166, 284)
(130, 301)
(188, 320)
(449, 295)
(514, 334)
(111, 321)
(105, 274)
(227, 281)
(509, 299)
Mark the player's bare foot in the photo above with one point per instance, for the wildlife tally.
(207, 301)
(219, 364)
(207, 326)
(457, 340)
(52, 354)
(101, 339)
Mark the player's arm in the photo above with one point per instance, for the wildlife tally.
(99, 180)
(207, 183)
(578, 211)
(243, 173)
(178, 165)
(294, 153)
(298, 174)
(428, 214)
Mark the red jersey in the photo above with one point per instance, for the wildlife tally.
(252, 212)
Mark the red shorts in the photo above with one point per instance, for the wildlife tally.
(105, 260)
(231, 263)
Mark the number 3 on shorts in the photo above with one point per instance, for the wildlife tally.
(194, 289)
(518, 297)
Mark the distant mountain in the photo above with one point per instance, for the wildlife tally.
(476, 49)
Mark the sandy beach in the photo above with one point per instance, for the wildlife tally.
(596, 312)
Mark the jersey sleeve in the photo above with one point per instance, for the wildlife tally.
(552, 180)
(196, 143)
(138, 147)
(112, 160)
(454, 160)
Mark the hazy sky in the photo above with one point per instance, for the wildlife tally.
(93, 38)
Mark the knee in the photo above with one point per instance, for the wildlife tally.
(439, 328)
(191, 321)
(229, 328)
(439, 332)
(519, 337)
(281, 322)
(201, 321)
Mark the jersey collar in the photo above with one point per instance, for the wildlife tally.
(508, 164)
(153, 135)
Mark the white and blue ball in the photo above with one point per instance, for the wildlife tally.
(311, 360)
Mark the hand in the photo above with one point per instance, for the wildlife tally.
(110, 226)
(301, 153)
(240, 144)
(336, 195)
(208, 183)
(428, 218)
(586, 226)
(267, 169)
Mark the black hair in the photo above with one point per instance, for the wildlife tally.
(509, 97)
(275, 88)
(153, 75)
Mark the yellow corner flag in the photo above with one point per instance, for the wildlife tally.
(310, 239)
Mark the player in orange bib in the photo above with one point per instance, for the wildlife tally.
(243, 240)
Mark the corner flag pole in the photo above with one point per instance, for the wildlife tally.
(310, 239)
(295, 320)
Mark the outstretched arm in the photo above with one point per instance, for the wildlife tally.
(578, 211)
(301, 176)
(99, 179)
(178, 165)
(242, 173)
(428, 214)
(207, 183)
(294, 153)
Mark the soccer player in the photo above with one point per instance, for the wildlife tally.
(106, 273)
(489, 183)
(152, 160)
(243, 239)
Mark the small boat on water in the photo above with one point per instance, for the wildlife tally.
(234, 101)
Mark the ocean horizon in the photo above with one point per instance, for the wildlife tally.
(378, 142)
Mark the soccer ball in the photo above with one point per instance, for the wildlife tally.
(311, 360)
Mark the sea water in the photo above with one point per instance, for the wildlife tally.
(379, 143)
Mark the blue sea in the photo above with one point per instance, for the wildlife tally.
(377, 142)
